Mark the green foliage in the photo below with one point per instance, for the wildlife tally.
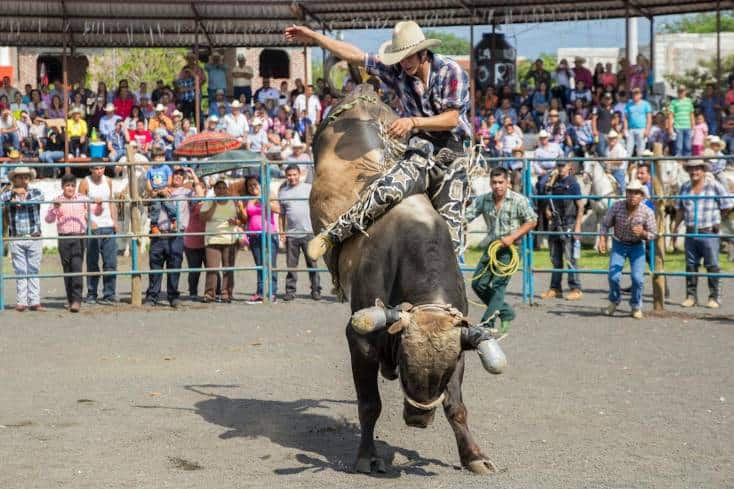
(135, 65)
(317, 69)
(701, 24)
(450, 43)
(697, 78)
(524, 66)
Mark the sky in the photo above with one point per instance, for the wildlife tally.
(532, 39)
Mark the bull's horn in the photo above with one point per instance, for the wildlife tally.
(491, 355)
(373, 319)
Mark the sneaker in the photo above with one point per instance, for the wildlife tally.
(609, 310)
(288, 297)
(574, 295)
(155, 230)
(255, 299)
(637, 313)
(149, 303)
(106, 301)
(689, 302)
(90, 300)
(316, 295)
(318, 246)
(711, 304)
(551, 294)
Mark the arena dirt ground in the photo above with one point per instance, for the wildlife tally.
(224, 396)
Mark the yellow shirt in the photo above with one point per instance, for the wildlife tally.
(76, 129)
(219, 223)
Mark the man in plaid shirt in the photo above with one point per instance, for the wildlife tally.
(632, 224)
(434, 100)
(25, 223)
(702, 217)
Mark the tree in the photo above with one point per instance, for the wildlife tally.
(697, 78)
(450, 43)
(549, 63)
(701, 24)
(135, 65)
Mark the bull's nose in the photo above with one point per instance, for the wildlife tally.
(417, 418)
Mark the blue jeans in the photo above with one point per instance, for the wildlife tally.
(164, 253)
(706, 249)
(620, 176)
(683, 142)
(636, 141)
(636, 255)
(107, 247)
(10, 139)
(154, 212)
(561, 253)
(52, 156)
(601, 146)
(256, 248)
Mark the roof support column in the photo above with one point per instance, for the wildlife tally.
(652, 47)
(65, 94)
(627, 31)
(472, 86)
(197, 87)
(718, 56)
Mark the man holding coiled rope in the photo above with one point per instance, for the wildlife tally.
(509, 216)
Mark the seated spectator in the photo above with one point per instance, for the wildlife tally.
(116, 141)
(18, 106)
(548, 154)
(52, 150)
(108, 121)
(9, 139)
(77, 129)
(555, 128)
(167, 102)
(257, 141)
(266, 92)
(608, 77)
(56, 110)
(236, 123)
(158, 181)
(617, 166)
(217, 102)
(147, 109)
(78, 104)
(555, 104)
(38, 134)
(579, 137)
(700, 132)
(184, 132)
(160, 120)
(526, 121)
(69, 211)
(506, 110)
(541, 96)
(37, 105)
(580, 92)
(131, 122)
(728, 129)
(509, 138)
(211, 124)
(142, 136)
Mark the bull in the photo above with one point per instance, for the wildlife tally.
(406, 260)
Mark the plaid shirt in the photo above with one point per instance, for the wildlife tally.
(71, 216)
(25, 215)
(619, 218)
(186, 85)
(709, 210)
(448, 89)
(515, 212)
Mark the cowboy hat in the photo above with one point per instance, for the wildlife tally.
(543, 134)
(647, 153)
(612, 134)
(159, 108)
(236, 104)
(212, 118)
(176, 113)
(714, 139)
(76, 110)
(635, 186)
(109, 108)
(696, 163)
(407, 39)
(22, 170)
(256, 121)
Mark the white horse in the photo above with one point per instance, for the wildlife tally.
(602, 185)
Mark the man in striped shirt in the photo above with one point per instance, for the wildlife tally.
(70, 211)
(682, 118)
(24, 204)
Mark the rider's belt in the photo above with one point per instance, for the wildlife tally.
(709, 230)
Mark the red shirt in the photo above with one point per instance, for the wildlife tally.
(123, 107)
(143, 138)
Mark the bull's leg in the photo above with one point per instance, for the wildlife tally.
(365, 365)
(470, 454)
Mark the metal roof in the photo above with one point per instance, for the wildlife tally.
(226, 23)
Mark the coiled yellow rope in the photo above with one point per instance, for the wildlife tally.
(495, 266)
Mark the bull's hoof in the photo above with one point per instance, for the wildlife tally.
(366, 465)
(482, 467)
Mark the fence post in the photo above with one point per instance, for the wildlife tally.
(2, 257)
(264, 257)
(658, 248)
(135, 223)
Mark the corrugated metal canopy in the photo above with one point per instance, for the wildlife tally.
(225, 23)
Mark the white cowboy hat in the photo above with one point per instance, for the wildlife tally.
(256, 121)
(22, 170)
(176, 113)
(109, 108)
(695, 163)
(647, 153)
(714, 139)
(236, 104)
(407, 39)
(212, 118)
(543, 134)
(159, 108)
(76, 110)
(635, 186)
(612, 134)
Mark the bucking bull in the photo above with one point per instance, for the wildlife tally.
(406, 261)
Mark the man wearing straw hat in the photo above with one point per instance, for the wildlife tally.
(25, 225)
(108, 121)
(433, 91)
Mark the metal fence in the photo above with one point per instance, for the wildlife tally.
(264, 171)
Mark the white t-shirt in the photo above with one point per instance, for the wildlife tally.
(242, 76)
(236, 125)
(615, 153)
(312, 107)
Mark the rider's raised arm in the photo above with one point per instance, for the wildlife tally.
(342, 50)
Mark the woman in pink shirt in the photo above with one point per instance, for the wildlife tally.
(70, 211)
(700, 131)
(255, 224)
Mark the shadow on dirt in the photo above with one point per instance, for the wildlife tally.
(324, 442)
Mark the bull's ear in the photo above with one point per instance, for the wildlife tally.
(379, 303)
(406, 306)
(400, 324)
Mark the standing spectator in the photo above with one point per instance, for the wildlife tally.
(296, 221)
(710, 105)
(69, 211)
(257, 221)
(77, 129)
(617, 164)
(158, 182)
(703, 217)
(23, 204)
(581, 73)
(728, 129)
(194, 243)
(539, 75)
(157, 92)
(242, 79)
(221, 218)
(192, 66)
(565, 217)
(601, 123)
(236, 123)
(309, 102)
(700, 132)
(682, 118)
(637, 122)
(598, 74)
(632, 224)
(98, 188)
(8, 132)
(608, 78)
(186, 92)
(637, 75)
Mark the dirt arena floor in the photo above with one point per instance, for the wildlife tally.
(222, 396)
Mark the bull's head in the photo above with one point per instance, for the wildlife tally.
(433, 337)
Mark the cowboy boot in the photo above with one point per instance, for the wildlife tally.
(407, 177)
